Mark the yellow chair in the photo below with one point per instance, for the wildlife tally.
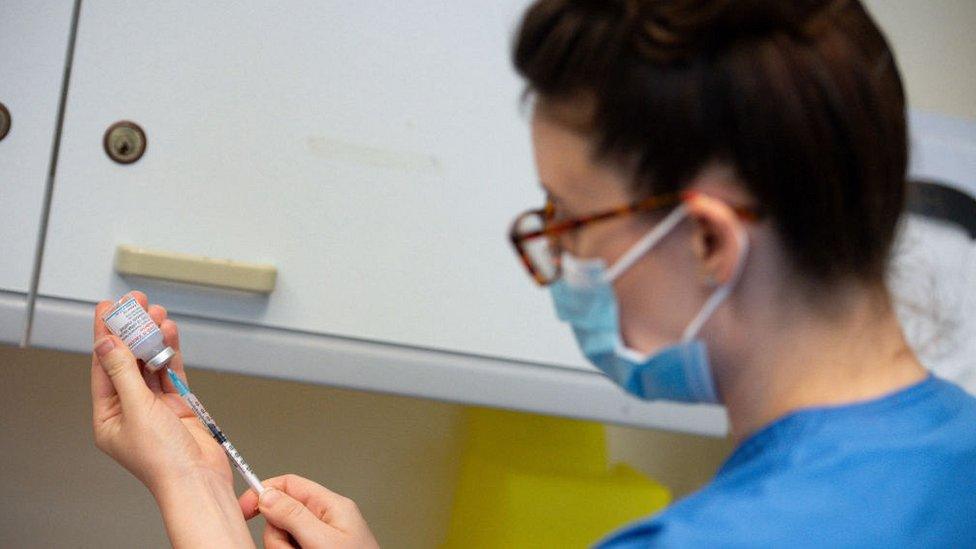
(536, 481)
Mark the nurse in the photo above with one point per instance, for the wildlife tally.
(724, 181)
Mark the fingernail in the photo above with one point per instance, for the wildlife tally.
(104, 347)
(270, 496)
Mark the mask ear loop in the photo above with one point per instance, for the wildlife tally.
(646, 243)
(719, 295)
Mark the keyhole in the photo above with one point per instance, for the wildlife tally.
(124, 142)
(4, 121)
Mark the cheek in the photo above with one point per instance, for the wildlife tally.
(658, 297)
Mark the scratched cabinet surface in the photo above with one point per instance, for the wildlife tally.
(374, 153)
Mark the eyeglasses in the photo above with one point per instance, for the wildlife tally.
(535, 234)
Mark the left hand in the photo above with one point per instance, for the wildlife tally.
(300, 512)
(139, 418)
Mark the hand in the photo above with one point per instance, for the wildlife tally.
(139, 418)
(141, 422)
(302, 513)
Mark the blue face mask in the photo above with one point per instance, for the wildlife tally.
(584, 298)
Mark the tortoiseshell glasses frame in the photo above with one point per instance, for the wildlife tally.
(552, 231)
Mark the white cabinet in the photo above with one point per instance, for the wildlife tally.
(33, 42)
(374, 153)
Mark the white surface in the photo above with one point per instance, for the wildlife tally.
(933, 44)
(13, 307)
(375, 154)
(944, 149)
(33, 42)
(357, 364)
(934, 269)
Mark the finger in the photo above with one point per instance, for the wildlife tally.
(171, 336)
(181, 409)
(275, 538)
(287, 513)
(120, 366)
(249, 504)
(312, 494)
(157, 313)
(102, 389)
(101, 386)
(100, 330)
(332, 508)
(102, 392)
(153, 380)
(171, 333)
(140, 298)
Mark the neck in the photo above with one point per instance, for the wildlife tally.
(800, 356)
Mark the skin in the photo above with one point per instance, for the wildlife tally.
(140, 421)
(777, 345)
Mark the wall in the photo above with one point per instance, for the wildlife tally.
(935, 51)
(394, 455)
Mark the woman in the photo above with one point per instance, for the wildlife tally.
(725, 179)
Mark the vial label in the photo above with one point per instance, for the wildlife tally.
(130, 322)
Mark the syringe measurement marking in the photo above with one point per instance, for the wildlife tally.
(201, 413)
(208, 421)
(217, 433)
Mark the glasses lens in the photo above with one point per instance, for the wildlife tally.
(541, 251)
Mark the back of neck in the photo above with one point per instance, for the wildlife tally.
(802, 357)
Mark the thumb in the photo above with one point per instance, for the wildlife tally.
(122, 369)
(287, 513)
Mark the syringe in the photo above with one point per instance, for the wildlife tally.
(132, 324)
(235, 457)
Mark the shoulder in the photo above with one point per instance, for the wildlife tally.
(905, 477)
(820, 507)
(715, 517)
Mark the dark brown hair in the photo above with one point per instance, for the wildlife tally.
(802, 98)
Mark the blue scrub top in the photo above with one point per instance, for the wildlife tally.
(897, 471)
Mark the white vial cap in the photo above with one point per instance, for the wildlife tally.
(160, 360)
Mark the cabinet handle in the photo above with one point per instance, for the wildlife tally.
(206, 271)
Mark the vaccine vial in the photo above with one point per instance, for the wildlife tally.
(133, 325)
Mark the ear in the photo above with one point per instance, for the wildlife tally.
(716, 237)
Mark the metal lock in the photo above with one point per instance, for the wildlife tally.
(124, 142)
(4, 121)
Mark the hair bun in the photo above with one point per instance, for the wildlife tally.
(675, 29)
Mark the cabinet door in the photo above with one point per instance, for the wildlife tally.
(374, 153)
(33, 43)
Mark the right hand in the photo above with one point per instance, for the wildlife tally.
(141, 421)
(300, 511)
(139, 418)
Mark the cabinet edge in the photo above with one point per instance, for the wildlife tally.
(374, 366)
